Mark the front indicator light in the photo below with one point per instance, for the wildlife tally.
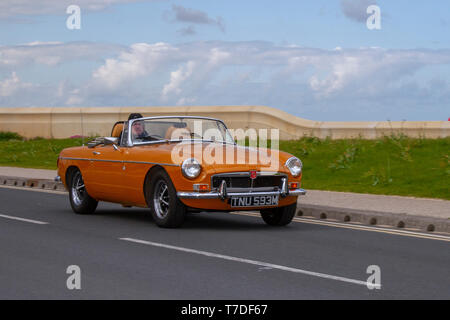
(201, 187)
(293, 185)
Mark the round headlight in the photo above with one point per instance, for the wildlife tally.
(294, 165)
(191, 168)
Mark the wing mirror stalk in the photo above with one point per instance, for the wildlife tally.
(112, 141)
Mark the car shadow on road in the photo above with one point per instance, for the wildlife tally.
(198, 221)
(222, 221)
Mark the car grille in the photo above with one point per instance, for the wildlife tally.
(234, 182)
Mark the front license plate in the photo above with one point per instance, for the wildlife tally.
(254, 201)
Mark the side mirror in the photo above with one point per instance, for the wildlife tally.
(105, 141)
(110, 141)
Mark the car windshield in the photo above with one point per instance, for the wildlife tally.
(178, 129)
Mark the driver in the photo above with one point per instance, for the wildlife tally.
(137, 128)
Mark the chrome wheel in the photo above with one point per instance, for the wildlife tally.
(161, 196)
(78, 189)
(80, 200)
(161, 199)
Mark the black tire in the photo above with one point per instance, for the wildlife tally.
(80, 201)
(279, 216)
(161, 196)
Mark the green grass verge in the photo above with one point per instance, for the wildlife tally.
(35, 153)
(391, 165)
(394, 165)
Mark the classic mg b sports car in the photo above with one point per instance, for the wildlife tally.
(173, 165)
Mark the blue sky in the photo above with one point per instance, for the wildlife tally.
(315, 59)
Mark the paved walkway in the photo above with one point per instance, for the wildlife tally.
(28, 173)
(371, 202)
(391, 204)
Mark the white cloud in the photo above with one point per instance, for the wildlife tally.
(338, 82)
(12, 85)
(140, 60)
(74, 100)
(185, 101)
(42, 43)
(53, 53)
(177, 78)
(262, 73)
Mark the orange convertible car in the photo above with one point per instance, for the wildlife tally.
(173, 165)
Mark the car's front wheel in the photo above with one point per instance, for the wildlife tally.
(167, 210)
(80, 201)
(279, 216)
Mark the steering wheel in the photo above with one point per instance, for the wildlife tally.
(152, 137)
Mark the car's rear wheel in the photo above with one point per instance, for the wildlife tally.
(80, 201)
(167, 210)
(279, 216)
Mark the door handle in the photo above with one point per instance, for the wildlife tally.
(95, 152)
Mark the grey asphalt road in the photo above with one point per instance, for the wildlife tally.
(34, 257)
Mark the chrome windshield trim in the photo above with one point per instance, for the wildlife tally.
(216, 195)
(175, 117)
(130, 123)
(181, 140)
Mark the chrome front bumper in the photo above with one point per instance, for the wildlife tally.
(226, 195)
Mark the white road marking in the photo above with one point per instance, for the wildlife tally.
(349, 225)
(387, 229)
(22, 219)
(248, 261)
